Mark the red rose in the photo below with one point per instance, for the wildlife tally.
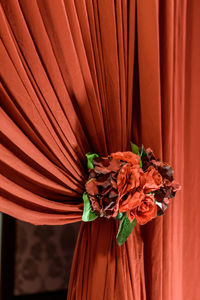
(133, 200)
(143, 213)
(153, 180)
(129, 178)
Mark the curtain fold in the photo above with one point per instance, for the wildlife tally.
(84, 75)
(104, 270)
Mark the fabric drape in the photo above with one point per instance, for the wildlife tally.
(83, 75)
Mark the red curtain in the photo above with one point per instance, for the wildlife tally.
(83, 75)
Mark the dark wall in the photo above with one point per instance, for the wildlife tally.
(35, 259)
(43, 257)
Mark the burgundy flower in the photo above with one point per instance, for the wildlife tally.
(150, 160)
(169, 186)
(102, 186)
(166, 192)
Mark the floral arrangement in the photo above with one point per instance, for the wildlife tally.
(133, 187)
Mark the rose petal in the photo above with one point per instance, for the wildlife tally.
(153, 180)
(130, 215)
(128, 156)
(133, 200)
(128, 179)
(146, 211)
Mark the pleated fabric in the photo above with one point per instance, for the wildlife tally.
(83, 75)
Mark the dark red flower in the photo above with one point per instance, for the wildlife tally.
(166, 192)
(101, 186)
(169, 186)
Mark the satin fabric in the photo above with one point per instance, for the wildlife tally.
(81, 76)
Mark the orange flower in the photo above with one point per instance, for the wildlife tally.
(146, 211)
(133, 200)
(128, 178)
(128, 156)
(153, 180)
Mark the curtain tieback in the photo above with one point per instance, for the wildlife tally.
(132, 187)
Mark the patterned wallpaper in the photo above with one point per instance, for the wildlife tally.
(43, 257)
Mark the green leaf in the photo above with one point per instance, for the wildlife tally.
(125, 229)
(88, 214)
(140, 162)
(90, 156)
(143, 152)
(119, 216)
(135, 149)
